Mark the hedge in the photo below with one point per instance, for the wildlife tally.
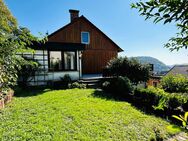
(158, 99)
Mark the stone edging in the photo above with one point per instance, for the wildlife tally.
(6, 99)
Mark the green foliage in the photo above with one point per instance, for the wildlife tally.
(106, 86)
(10, 62)
(183, 119)
(151, 97)
(27, 72)
(74, 114)
(175, 83)
(13, 40)
(77, 85)
(130, 68)
(174, 129)
(7, 22)
(65, 80)
(159, 99)
(168, 11)
(119, 87)
(3, 93)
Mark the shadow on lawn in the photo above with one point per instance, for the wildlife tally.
(29, 91)
(105, 95)
(143, 107)
(148, 110)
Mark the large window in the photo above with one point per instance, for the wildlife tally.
(55, 60)
(85, 38)
(69, 60)
(62, 60)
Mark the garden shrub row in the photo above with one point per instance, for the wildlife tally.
(155, 100)
(76, 85)
(158, 99)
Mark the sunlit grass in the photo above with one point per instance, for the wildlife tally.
(76, 115)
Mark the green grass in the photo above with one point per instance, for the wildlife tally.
(76, 115)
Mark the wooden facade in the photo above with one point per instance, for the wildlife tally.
(99, 51)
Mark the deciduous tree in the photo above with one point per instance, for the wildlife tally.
(168, 11)
(130, 68)
(13, 40)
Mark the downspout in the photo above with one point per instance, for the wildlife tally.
(79, 57)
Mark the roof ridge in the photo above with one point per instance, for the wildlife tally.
(181, 65)
(82, 16)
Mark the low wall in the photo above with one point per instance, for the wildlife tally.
(6, 99)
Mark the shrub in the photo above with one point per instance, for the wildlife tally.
(151, 97)
(65, 80)
(176, 100)
(119, 86)
(77, 85)
(159, 99)
(175, 83)
(130, 68)
(183, 119)
(27, 72)
(106, 86)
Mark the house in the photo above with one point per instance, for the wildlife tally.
(99, 47)
(77, 48)
(154, 81)
(178, 69)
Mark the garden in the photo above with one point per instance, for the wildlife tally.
(78, 114)
(119, 111)
(167, 100)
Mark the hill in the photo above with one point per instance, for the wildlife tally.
(158, 65)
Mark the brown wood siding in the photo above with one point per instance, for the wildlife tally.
(93, 61)
(97, 53)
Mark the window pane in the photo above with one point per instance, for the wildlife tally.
(55, 60)
(69, 60)
(85, 37)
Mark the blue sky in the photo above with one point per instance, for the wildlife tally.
(114, 17)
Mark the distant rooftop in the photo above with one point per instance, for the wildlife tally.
(179, 69)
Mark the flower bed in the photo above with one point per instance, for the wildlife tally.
(5, 98)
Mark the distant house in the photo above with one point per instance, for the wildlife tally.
(154, 81)
(179, 69)
(77, 48)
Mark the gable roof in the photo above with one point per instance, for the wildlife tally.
(179, 69)
(85, 19)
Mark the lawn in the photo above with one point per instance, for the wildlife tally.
(76, 115)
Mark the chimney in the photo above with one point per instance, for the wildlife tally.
(73, 14)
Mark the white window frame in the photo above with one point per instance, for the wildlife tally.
(88, 38)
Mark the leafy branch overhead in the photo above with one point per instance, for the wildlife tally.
(168, 11)
(14, 40)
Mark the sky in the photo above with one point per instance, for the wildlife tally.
(115, 18)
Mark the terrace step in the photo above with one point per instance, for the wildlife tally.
(91, 82)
